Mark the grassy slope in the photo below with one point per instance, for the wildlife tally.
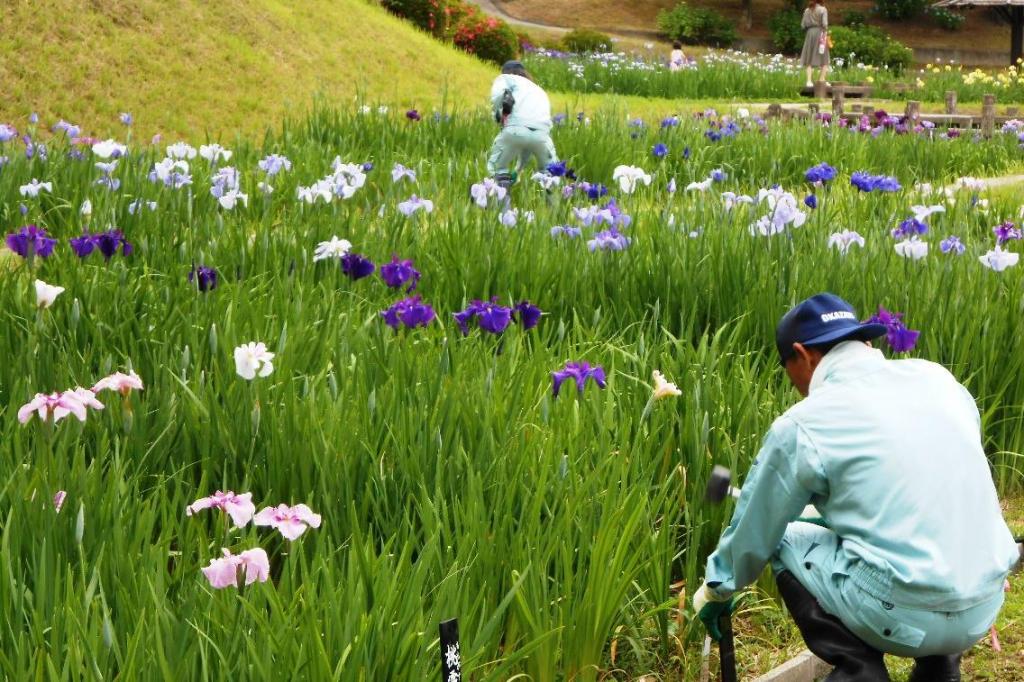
(232, 66)
(191, 65)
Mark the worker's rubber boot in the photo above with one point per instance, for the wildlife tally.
(827, 637)
(936, 669)
(505, 179)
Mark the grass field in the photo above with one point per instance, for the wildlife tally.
(450, 480)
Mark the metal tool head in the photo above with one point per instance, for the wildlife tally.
(718, 484)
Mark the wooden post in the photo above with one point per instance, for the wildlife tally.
(820, 90)
(913, 112)
(814, 108)
(451, 655)
(951, 102)
(988, 115)
(838, 98)
(774, 111)
(869, 110)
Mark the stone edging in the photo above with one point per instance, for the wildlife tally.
(805, 667)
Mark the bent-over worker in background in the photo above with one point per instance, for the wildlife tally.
(523, 110)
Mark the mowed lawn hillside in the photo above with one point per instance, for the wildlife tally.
(224, 66)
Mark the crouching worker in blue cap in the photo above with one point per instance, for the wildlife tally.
(913, 550)
(523, 110)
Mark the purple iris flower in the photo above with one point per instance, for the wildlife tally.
(558, 119)
(528, 314)
(110, 241)
(83, 246)
(885, 183)
(713, 135)
(31, 240)
(492, 317)
(686, 153)
(718, 175)
(1006, 232)
(7, 133)
(952, 245)
(596, 191)
(368, 166)
(909, 228)
(670, 122)
(660, 150)
(413, 115)
(862, 181)
(203, 277)
(811, 201)
(821, 173)
(398, 272)
(899, 337)
(126, 118)
(559, 169)
(579, 372)
(410, 312)
(567, 230)
(866, 182)
(610, 240)
(356, 266)
(495, 318)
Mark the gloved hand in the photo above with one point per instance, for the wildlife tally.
(709, 608)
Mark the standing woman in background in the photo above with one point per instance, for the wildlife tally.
(815, 52)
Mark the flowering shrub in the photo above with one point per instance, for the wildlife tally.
(585, 40)
(697, 26)
(870, 45)
(489, 38)
(430, 15)
(951, 21)
(900, 9)
(787, 33)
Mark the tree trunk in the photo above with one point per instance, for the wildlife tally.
(748, 13)
(1016, 34)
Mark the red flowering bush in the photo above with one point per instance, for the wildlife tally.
(430, 15)
(489, 38)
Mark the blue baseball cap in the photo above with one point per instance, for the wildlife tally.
(823, 318)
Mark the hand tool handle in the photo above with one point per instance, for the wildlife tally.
(726, 652)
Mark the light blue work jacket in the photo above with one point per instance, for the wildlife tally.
(890, 453)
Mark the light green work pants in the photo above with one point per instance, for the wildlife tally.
(516, 144)
(812, 554)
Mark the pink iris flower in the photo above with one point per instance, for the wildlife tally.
(239, 507)
(58, 499)
(118, 381)
(291, 521)
(59, 405)
(223, 572)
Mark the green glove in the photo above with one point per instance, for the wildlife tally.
(710, 615)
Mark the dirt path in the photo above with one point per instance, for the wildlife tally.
(494, 8)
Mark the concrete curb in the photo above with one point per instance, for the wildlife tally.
(805, 667)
